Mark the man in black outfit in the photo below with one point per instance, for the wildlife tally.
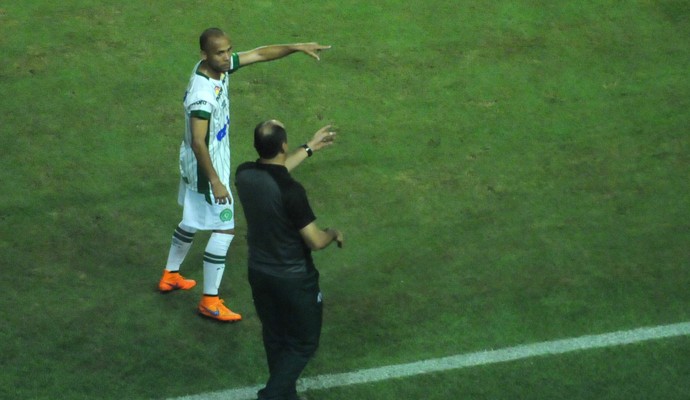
(281, 234)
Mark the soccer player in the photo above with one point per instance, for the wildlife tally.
(205, 164)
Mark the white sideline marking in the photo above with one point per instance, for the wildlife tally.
(463, 361)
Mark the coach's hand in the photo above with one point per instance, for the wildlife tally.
(339, 239)
(322, 138)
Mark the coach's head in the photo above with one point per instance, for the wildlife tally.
(270, 140)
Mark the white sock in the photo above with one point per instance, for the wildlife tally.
(181, 243)
(214, 261)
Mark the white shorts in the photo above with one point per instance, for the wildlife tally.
(199, 214)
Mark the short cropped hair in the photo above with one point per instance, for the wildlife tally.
(207, 35)
(269, 138)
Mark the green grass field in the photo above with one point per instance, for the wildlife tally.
(506, 173)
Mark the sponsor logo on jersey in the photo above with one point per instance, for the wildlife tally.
(221, 133)
(224, 130)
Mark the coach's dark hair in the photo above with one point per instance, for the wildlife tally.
(207, 35)
(269, 138)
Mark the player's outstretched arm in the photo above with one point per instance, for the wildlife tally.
(276, 51)
(324, 137)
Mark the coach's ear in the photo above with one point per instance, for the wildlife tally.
(284, 148)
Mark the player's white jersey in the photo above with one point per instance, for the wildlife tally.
(207, 98)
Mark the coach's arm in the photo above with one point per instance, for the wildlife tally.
(324, 137)
(318, 239)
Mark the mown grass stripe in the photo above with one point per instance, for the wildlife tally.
(465, 360)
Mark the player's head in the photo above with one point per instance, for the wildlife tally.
(270, 139)
(216, 49)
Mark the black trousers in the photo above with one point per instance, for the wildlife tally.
(291, 313)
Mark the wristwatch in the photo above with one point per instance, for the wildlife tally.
(308, 149)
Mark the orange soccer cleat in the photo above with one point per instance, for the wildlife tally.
(213, 307)
(173, 281)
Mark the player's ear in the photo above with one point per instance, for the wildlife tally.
(202, 54)
(284, 148)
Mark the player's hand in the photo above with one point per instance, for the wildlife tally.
(221, 193)
(312, 49)
(322, 138)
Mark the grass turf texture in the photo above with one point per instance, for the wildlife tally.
(506, 173)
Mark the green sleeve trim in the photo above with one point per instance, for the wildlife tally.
(201, 114)
(235, 64)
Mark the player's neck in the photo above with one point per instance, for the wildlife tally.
(211, 73)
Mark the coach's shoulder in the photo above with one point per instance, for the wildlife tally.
(245, 166)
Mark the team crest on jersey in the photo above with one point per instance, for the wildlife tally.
(218, 90)
(226, 215)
